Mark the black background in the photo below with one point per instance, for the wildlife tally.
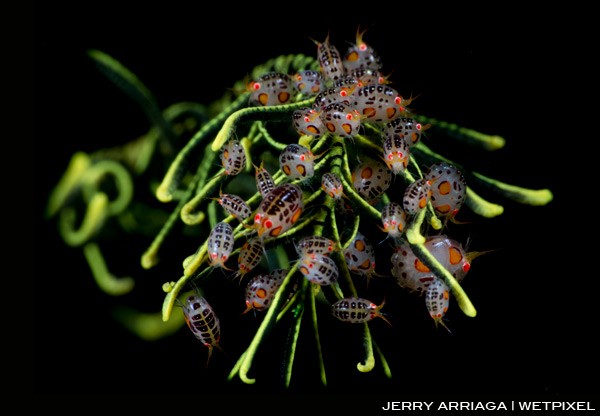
(491, 70)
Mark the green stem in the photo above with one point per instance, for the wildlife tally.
(189, 213)
(95, 217)
(386, 368)
(104, 279)
(68, 183)
(482, 207)
(277, 112)
(147, 326)
(369, 361)
(176, 171)
(535, 197)
(265, 327)
(313, 310)
(294, 332)
(469, 136)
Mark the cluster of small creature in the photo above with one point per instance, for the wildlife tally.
(349, 92)
(347, 204)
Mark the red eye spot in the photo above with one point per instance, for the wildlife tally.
(310, 265)
(224, 257)
(362, 47)
(390, 156)
(256, 86)
(386, 225)
(398, 100)
(466, 267)
(381, 80)
(394, 222)
(418, 126)
(302, 157)
(349, 116)
(213, 255)
(400, 154)
(268, 223)
(299, 77)
(343, 93)
(257, 218)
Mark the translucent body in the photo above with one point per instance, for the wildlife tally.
(250, 255)
(319, 269)
(371, 179)
(308, 82)
(297, 162)
(378, 103)
(393, 219)
(307, 122)
(261, 289)
(332, 185)
(330, 60)
(406, 128)
(341, 119)
(412, 274)
(366, 76)
(437, 301)
(448, 188)
(279, 210)
(233, 157)
(396, 153)
(264, 180)
(273, 88)
(339, 94)
(360, 256)
(361, 55)
(202, 320)
(220, 244)
(416, 196)
(450, 253)
(234, 205)
(355, 310)
(315, 244)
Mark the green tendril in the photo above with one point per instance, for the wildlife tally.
(176, 171)
(469, 136)
(265, 328)
(290, 352)
(189, 213)
(94, 200)
(315, 325)
(173, 293)
(93, 220)
(518, 194)
(68, 183)
(277, 112)
(268, 138)
(482, 207)
(150, 257)
(386, 368)
(106, 281)
(148, 326)
(369, 361)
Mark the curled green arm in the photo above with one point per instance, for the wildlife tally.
(176, 171)
(104, 278)
(276, 112)
(469, 136)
